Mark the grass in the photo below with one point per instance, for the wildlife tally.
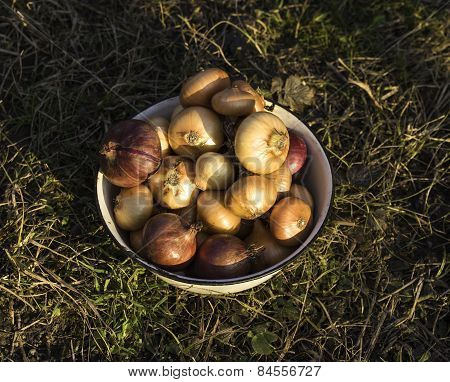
(374, 88)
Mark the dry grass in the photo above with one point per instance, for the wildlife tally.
(375, 284)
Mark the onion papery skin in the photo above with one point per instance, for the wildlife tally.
(246, 87)
(133, 206)
(168, 243)
(272, 252)
(262, 143)
(282, 178)
(213, 171)
(215, 217)
(251, 196)
(130, 152)
(291, 221)
(162, 128)
(194, 131)
(222, 257)
(233, 102)
(200, 88)
(173, 185)
(297, 154)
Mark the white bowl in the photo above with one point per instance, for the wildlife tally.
(317, 177)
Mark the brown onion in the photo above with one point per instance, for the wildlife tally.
(246, 87)
(162, 127)
(187, 214)
(194, 131)
(130, 152)
(213, 171)
(137, 240)
(297, 152)
(282, 178)
(133, 206)
(199, 89)
(173, 185)
(168, 243)
(234, 102)
(222, 256)
(302, 193)
(272, 252)
(251, 196)
(261, 143)
(216, 218)
(201, 237)
(290, 221)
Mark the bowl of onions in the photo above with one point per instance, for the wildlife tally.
(214, 191)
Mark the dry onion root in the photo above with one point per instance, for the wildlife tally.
(168, 243)
(216, 218)
(213, 171)
(194, 131)
(262, 143)
(173, 185)
(251, 196)
(133, 206)
(290, 221)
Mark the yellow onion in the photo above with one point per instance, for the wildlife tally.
(136, 240)
(173, 185)
(234, 102)
(282, 178)
(130, 152)
(168, 242)
(246, 87)
(251, 196)
(194, 131)
(162, 127)
(213, 171)
(199, 89)
(223, 256)
(176, 111)
(133, 207)
(290, 221)
(216, 218)
(272, 252)
(262, 143)
(302, 193)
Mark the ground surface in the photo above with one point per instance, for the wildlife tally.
(372, 82)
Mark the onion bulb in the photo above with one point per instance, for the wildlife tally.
(302, 193)
(297, 152)
(251, 196)
(246, 87)
(262, 142)
(173, 185)
(168, 243)
(199, 89)
(272, 252)
(222, 256)
(290, 221)
(136, 240)
(176, 111)
(213, 171)
(216, 218)
(162, 127)
(282, 178)
(130, 152)
(194, 131)
(234, 102)
(133, 206)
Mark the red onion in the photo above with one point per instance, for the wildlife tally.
(130, 152)
(222, 256)
(168, 243)
(296, 157)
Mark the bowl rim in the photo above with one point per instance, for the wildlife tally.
(236, 280)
